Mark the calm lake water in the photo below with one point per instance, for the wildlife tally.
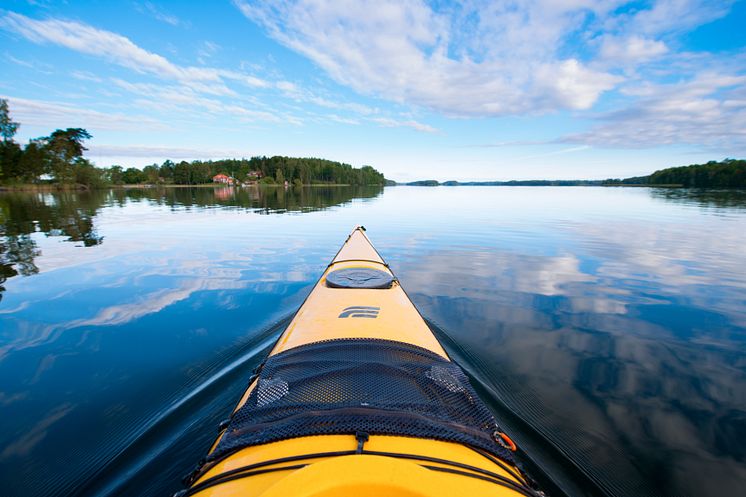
(605, 326)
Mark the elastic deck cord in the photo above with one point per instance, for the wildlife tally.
(260, 468)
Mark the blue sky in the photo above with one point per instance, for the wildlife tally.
(444, 90)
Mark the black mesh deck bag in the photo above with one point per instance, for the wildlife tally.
(349, 386)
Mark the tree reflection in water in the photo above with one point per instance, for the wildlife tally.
(71, 214)
(64, 214)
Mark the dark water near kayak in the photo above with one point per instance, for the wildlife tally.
(606, 327)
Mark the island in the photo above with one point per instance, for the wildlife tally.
(57, 161)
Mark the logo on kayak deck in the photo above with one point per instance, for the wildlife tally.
(360, 311)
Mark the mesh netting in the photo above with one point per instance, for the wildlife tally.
(347, 386)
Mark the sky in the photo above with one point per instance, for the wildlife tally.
(469, 90)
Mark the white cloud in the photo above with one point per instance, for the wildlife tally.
(111, 46)
(709, 110)
(160, 15)
(86, 76)
(474, 58)
(179, 99)
(206, 51)
(54, 114)
(482, 58)
(393, 123)
(404, 51)
(23, 63)
(120, 50)
(192, 86)
(634, 49)
(349, 106)
(287, 86)
(297, 93)
(672, 16)
(150, 151)
(343, 120)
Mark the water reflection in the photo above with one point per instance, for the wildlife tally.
(71, 215)
(267, 200)
(631, 365)
(68, 215)
(720, 199)
(604, 326)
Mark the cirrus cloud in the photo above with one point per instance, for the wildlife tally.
(410, 53)
(112, 46)
(488, 59)
(708, 111)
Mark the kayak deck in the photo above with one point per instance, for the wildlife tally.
(319, 318)
(327, 416)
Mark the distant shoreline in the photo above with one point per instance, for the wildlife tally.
(55, 187)
(728, 173)
(526, 184)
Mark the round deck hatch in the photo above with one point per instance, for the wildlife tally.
(359, 277)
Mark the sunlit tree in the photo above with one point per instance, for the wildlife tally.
(8, 127)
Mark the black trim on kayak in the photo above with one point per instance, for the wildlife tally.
(371, 261)
(512, 470)
(256, 468)
(229, 476)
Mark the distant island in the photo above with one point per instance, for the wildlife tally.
(57, 161)
(729, 173)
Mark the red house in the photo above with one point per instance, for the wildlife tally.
(222, 178)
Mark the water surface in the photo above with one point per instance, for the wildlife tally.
(605, 326)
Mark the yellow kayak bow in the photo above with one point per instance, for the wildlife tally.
(358, 398)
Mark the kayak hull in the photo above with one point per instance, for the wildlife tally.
(357, 463)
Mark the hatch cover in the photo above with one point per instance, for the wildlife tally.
(359, 277)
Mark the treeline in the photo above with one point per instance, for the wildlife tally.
(58, 158)
(536, 182)
(267, 170)
(729, 173)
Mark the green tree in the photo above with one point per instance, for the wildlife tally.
(133, 176)
(8, 127)
(280, 177)
(10, 160)
(63, 147)
(10, 152)
(182, 173)
(86, 173)
(166, 171)
(151, 174)
(33, 161)
(114, 175)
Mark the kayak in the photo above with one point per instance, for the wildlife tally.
(358, 398)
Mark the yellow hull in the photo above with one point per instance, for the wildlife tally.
(344, 464)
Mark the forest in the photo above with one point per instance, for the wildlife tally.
(729, 173)
(267, 170)
(58, 159)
